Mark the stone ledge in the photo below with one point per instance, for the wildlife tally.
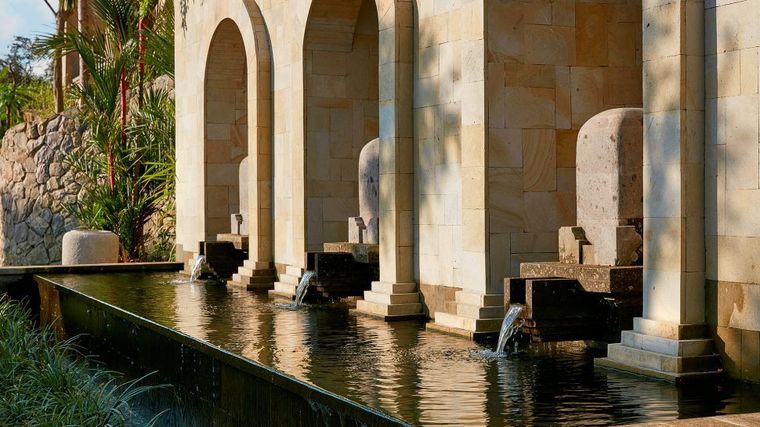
(593, 278)
(677, 378)
(662, 362)
(668, 330)
(682, 348)
(239, 241)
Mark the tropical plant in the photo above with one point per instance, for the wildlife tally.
(46, 381)
(20, 89)
(128, 155)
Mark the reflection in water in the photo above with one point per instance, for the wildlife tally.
(423, 377)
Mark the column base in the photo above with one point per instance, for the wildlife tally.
(477, 315)
(391, 301)
(285, 286)
(254, 276)
(665, 351)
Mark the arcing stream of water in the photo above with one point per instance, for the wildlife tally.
(303, 287)
(195, 274)
(509, 327)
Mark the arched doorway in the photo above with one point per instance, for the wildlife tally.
(341, 112)
(226, 127)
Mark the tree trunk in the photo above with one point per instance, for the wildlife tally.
(60, 21)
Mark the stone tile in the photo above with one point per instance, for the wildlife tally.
(553, 45)
(530, 108)
(566, 141)
(539, 160)
(750, 356)
(729, 344)
(591, 34)
(587, 85)
(505, 148)
(506, 199)
(749, 71)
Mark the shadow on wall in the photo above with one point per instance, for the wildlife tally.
(437, 115)
(731, 188)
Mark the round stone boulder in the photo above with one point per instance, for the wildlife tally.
(90, 247)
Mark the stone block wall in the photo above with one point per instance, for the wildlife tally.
(35, 186)
(226, 127)
(341, 78)
(732, 182)
(552, 65)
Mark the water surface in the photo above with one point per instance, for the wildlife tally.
(423, 377)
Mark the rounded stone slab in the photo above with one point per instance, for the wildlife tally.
(90, 247)
(369, 181)
(609, 188)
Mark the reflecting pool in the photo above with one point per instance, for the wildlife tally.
(423, 377)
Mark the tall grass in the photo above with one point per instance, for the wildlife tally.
(47, 382)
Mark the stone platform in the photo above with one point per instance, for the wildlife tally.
(567, 302)
(667, 351)
(593, 278)
(362, 252)
(239, 241)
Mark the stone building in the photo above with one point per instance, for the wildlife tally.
(477, 105)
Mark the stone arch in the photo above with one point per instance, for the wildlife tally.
(341, 111)
(226, 127)
(394, 128)
(248, 23)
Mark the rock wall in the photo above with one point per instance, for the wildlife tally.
(35, 185)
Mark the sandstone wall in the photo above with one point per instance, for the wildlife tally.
(552, 65)
(499, 91)
(732, 182)
(35, 185)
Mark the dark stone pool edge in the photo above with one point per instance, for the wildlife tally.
(237, 390)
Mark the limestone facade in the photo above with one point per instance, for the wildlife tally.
(477, 105)
(731, 191)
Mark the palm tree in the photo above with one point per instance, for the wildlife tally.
(123, 151)
(62, 15)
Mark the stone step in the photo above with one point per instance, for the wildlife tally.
(251, 280)
(291, 280)
(394, 288)
(480, 300)
(661, 362)
(251, 286)
(381, 298)
(388, 310)
(466, 323)
(475, 312)
(252, 272)
(294, 271)
(697, 347)
(286, 288)
(672, 331)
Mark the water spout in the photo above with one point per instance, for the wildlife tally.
(509, 326)
(197, 270)
(303, 287)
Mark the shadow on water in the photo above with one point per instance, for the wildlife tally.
(420, 376)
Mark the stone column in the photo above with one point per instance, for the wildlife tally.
(479, 305)
(668, 341)
(396, 294)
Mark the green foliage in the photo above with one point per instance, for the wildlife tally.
(20, 90)
(127, 159)
(47, 382)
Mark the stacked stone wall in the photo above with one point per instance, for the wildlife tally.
(732, 182)
(35, 185)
